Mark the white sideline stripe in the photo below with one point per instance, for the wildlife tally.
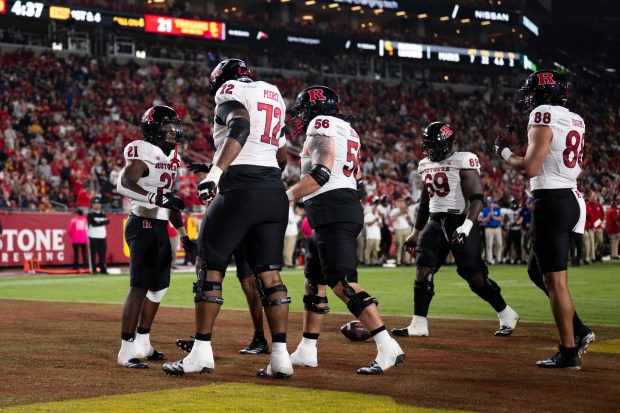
(521, 321)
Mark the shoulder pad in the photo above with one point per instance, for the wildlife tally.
(323, 125)
(231, 90)
(545, 115)
(466, 160)
(143, 150)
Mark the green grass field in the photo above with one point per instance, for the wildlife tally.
(594, 288)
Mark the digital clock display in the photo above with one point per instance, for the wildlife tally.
(27, 9)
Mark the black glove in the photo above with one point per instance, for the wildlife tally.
(189, 246)
(171, 201)
(500, 143)
(206, 191)
(461, 233)
(199, 167)
(360, 188)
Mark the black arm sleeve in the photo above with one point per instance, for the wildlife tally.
(320, 173)
(224, 109)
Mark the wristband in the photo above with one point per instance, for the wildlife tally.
(506, 153)
(182, 232)
(215, 174)
(466, 227)
(289, 195)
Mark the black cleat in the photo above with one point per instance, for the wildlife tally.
(583, 340)
(176, 369)
(186, 345)
(136, 364)
(156, 356)
(504, 331)
(371, 370)
(256, 346)
(374, 369)
(566, 358)
(264, 372)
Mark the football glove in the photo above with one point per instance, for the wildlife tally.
(207, 189)
(169, 200)
(501, 143)
(461, 233)
(189, 246)
(412, 241)
(196, 167)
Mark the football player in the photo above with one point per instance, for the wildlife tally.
(329, 188)
(245, 274)
(148, 180)
(250, 205)
(553, 161)
(452, 197)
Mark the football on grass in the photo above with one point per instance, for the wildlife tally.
(355, 331)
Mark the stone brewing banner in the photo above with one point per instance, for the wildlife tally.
(44, 236)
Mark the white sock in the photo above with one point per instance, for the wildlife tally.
(308, 342)
(279, 347)
(143, 338)
(199, 348)
(382, 337)
(505, 313)
(128, 347)
(420, 321)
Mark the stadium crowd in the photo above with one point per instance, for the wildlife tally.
(65, 120)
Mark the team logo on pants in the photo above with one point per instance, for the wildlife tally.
(147, 224)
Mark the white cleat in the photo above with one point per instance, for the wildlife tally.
(417, 328)
(508, 319)
(192, 364)
(280, 366)
(305, 356)
(389, 355)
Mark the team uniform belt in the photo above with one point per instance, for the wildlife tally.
(442, 215)
(558, 193)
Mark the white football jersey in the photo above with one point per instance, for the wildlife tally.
(563, 163)
(161, 177)
(267, 110)
(443, 181)
(346, 152)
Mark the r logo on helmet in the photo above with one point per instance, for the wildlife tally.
(446, 130)
(545, 78)
(316, 94)
(148, 115)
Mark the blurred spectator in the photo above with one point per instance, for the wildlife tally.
(612, 227)
(492, 219)
(78, 232)
(402, 228)
(593, 237)
(373, 223)
(97, 236)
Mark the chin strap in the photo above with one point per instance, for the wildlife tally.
(175, 160)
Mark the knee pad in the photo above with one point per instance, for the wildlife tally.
(264, 268)
(357, 301)
(156, 296)
(202, 285)
(426, 287)
(311, 300)
(264, 294)
(488, 289)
